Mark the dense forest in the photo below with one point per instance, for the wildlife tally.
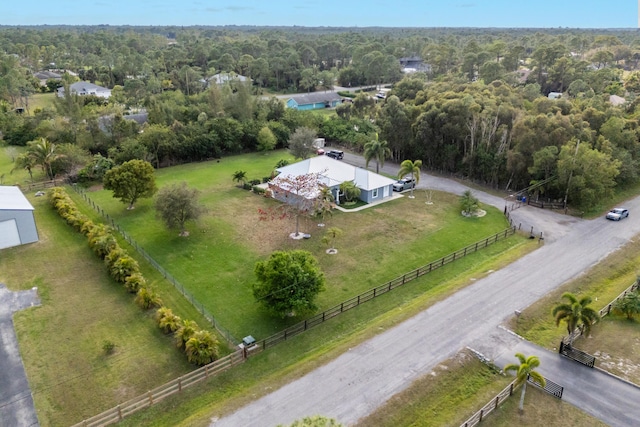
(487, 106)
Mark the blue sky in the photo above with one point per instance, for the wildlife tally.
(355, 13)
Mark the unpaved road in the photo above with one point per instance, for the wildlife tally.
(363, 378)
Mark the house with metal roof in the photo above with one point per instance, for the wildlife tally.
(222, 78)
(331, 173)
(17, 223)
(84, 89)
(314, 100)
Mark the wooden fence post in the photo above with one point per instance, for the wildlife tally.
(481, 414)
(179, 383)
(150, 398)
(511, 390)
(497, 401)
(119, 414)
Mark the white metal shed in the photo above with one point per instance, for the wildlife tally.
(17, 223)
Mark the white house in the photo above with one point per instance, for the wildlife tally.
(332, 173)
(86, 88)
(17, 224)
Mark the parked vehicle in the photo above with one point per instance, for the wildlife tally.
(404, 184)
(335, 154)
(617, 214)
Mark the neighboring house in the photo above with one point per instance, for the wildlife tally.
(105, 122)
(314, 100)
(86, 88)
(412, 64)
(331, 173)
(17, 224)
(616, 100)
(554, 95)
(222, 78)
(43, 76)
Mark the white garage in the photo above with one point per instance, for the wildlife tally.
(17, 223)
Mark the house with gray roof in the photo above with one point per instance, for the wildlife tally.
(17, 223)
(331, 173)
(86, 88)
(222, 78)
(314, 100)
(45, 75)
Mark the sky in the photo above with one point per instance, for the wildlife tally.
(327, 13)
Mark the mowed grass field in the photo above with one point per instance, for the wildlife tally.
(216, 261)
(82, 307)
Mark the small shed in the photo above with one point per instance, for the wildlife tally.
(17, 223)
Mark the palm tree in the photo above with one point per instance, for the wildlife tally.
(376, 149)
(629, 305)
(330, 239)
(201, 348)
(240, 177)
(167, 320)
(184, 332)
(469, 203)
(576, 314)
(44, 154)
(350, 190)
(524, 371)
(413, 168)
(26, 162)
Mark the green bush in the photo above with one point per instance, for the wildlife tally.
(346, 94)
(259, 190)
(147, 298)
(201, 348)
(124, 267)
(254, 182)
(167, 321)
(134, 282)
(246, 186)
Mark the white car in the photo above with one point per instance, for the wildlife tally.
(617, 214)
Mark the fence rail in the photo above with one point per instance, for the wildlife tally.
(196, 304)
(116, 414)
(380, 290)
(490, 407)
(40, 185)
(551, 388)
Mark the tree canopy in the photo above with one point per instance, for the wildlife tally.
(176, 204)
(130, 181)
(288, 283)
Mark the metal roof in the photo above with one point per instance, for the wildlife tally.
(12, 199)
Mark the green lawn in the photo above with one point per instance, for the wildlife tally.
(61, 342)
(73, 379)
(216, 261)
(41, 101)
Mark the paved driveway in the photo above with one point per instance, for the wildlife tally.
(605, 397)
(16, 403)
(363, 378)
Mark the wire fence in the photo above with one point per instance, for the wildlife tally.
(188, 295)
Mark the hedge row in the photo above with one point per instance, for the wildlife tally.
(200, 346)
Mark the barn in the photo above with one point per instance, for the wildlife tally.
(17, 223)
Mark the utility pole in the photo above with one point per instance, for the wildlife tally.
(573, 164)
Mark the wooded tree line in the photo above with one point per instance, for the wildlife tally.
(481, 112)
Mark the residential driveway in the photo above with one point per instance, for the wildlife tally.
(594, 391)
(16, 403)
(357, 382)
